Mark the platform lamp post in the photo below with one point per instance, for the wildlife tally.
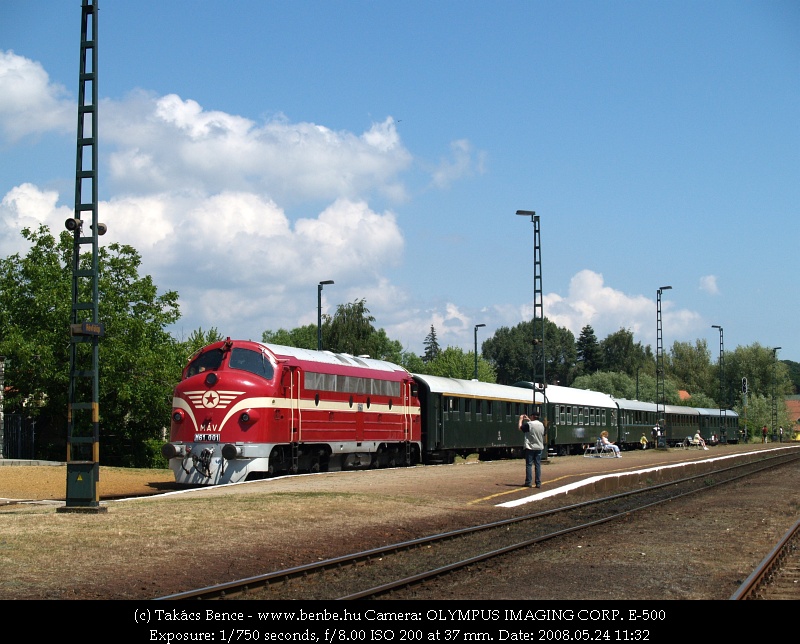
(477, 326)
(660, 395)
(722, 404)
(319, 312)
(539, 378)
(774, 390)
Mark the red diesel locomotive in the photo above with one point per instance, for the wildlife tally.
(247, 409)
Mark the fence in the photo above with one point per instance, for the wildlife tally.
(19, 436)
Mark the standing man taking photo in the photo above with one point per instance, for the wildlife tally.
(533, 432)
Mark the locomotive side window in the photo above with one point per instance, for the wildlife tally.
(251, 361)
(353, 384)
(207, 361)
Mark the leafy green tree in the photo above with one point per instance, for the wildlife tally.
(432, 349)
(793, 369)
(412, 362)
(588, 352)
(303, 337)
(621, 385)
(198, 339)
(510, 352)
(690, 367)
(380, 346)
(560, 354)
(764, 373)
(700, 399)
(453, 362)
(621, 353)
(759, 413)
(349, 329)
(139, 361)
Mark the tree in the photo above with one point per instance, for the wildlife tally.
(304, 337)
(349, 329)
(619, 354)
(139, 361)
(690, 367)
(454, 363)
(510, 352)
(793, 369)
(432, 349)
(759, 413)
(588, 351)
(560, 354)
(199, 339)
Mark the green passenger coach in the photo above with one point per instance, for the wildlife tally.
(463, 417)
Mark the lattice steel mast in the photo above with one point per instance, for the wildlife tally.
(83, 414)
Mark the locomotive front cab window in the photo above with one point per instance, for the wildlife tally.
(254, 362)
(207, 361)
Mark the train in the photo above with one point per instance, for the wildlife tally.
(247, 410)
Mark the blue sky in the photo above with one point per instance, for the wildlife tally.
(249, 150)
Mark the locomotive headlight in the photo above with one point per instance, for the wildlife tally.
(248, 416)
(178, 415)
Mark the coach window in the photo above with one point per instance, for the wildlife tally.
(489, 409)
(478, 409)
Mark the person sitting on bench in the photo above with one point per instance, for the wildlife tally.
(698, 440)
(607, 443)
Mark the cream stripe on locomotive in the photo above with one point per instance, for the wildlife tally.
(305, 404)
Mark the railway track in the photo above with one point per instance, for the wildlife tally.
(778, 575)
(389, 571)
